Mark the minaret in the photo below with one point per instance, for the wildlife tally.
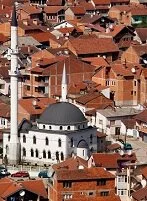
(14, 148)
(64, 86)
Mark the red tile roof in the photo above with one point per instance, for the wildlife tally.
(83, 174)
(97, 198)
(142, 116)
(86, 45)
(144, 172)
(54, 2)
(53, 9)
(78, 10)
(110, 160)
(141, 194)
(31, 9)
(101, 2)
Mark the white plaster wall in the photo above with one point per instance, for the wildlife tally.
(63, 25)
(106, 92)
(2, 125)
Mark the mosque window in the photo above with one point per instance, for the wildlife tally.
(61, 127)
(57, 155)
(24, 139)
(37, 153)
(68, 127)
(44, 154)
(59, 143)
(91, 139)
(24, 152)
(62, 156)
(49, 154)
(71, 142)
(46, 141)
(50, 127)
(34, 139)
(43, 126)
(32, 153)
(8, 137)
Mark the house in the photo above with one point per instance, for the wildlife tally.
(101, 7)
(140, 194)
(54, 14)
(141, 124)
(47, 80)
(123, 80)
(122, 13)
(32, 108)
(74, 12)
(109, 120)
(128, 128)
(28, 11)
(83, 47)
(141, 35)
(34, 189)
(4, 115)
(135, 54)
(81, 183)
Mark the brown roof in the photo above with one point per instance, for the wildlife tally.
(83, 174)
(129, 123)
(113, 147)
(97, 198)
(78, 10)
(72, 163)
(138, 11)
(87, 5)
(53, 9)
(111, 160)
(86, 45)
(141, 194)
(43, 37)
(31, 9)
(100, 134)
(41, 104)
(101, 2)
(122, 8)
(142, 33)
(4, 110)
(140, 49)
(96, 61)
(4, 72)
(142, 116)
(54, 2)
(144, 172)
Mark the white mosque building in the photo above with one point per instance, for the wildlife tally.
(61, 131)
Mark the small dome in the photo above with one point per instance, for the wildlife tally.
(82, 144)
(62, 113)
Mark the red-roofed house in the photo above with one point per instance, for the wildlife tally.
(75, 12)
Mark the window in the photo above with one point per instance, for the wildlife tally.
(57, 155)
(50, 127)
(101, 182)
(49, 155)
(83, 153)
(104, 193)
(24, 139)
(8, 137)
(122, 192)
(100, 121)
(37, 153)
(32, 153)
(71, 142)
(68, 127)
(135, 82)
(46, 141)
(44, 154)
(59, 143)
(62, 156)
(7, 149)
(67, 196)
(91, 139)
(28, 88)
(90, 193)
(24, 152)
(61, 127)
(43, 126)
(67, 184)
(131, 92)
(134, 93)
(34, 139)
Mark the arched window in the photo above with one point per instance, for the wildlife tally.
(8, 137)
(37, 153)
(50, 127)
(68, 127)
(24, 139)
(43, 126)
(91, 139)
(44, 154)
(32, 153)
(49, 154)
(61, 127)
(57, 155)
(59, 143)
(24, 151)
(46, 141)
(62, 156)
(71, 142)
(34, 139)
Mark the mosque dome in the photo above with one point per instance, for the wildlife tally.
(62, 113)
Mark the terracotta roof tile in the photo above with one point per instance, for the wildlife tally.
(113, 147)
(86, 45)
(42, 37)
(101, 2)
(141, 194)
(142, 33)
(97, 198)
(129, 123)
(78, 10)
(142, 116)
(31, 9)
(53, 9)
(54, 2)
(111, 160)
(100, 134)
(96, 61)
(144, 172)
(82, 174)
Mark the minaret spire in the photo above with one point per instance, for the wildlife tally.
(14, 148)
(64, 85)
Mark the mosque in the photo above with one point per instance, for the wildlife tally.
(61, 131)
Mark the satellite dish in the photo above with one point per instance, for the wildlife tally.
(121, 152)
(143, 183)
(133, 70)
(22, 193)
